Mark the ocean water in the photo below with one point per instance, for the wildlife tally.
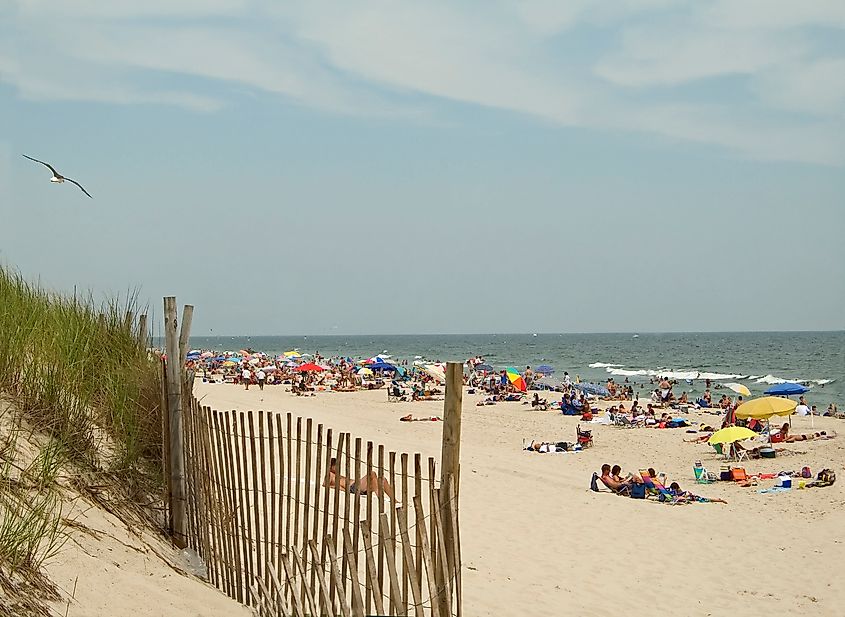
(756, 359)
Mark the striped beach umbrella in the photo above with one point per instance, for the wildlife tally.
(516, 379)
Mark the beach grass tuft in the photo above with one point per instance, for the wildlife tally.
(78, 376)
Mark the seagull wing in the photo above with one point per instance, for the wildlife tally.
(50, 167)
(80, 186)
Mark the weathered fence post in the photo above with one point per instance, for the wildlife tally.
(450, 460)
(178, 503)
(142, 331)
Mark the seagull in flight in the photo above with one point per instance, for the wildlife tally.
(57, 177)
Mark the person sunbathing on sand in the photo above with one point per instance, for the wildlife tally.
(371, 483)
(675, 489)
(785, 436)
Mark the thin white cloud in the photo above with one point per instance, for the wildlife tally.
(374, 57)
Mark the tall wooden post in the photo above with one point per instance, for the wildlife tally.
(185, 332)
(143, 337)
(178, 504)
(450, 467)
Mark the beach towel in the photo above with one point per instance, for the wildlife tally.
(774, 489)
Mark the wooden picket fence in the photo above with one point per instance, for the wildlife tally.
(274, 537)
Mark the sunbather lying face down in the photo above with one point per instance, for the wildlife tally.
(366, 484)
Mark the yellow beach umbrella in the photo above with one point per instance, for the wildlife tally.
(739, 388)
(765, 407)
(731, 434)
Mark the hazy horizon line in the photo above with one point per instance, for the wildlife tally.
(631, 332)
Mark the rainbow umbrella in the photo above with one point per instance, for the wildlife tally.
(516, 379)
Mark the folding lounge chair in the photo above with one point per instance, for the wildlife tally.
(652, 484)
(702, 476)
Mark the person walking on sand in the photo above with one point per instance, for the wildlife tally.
(261, 376)
(246, 375)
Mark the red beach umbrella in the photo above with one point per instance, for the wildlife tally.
(309, 367)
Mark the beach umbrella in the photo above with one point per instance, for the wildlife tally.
(292, 354)
(592, 388)
(731, 434)
(206, 354)
(549, 382)
(765, 407)
(483, 367)
(787, 389)
(310, 367)
(516, 379)
(544, 369)
(738, 388)
(436, 372)
(230, 363)
(364, 371)
(382, 366)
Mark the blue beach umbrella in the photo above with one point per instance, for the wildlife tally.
(787, 389)
(544, 369)
(483, 367)
(592, 388)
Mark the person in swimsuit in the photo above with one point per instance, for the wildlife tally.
(370, 483)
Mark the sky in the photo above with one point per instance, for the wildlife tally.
(438, 167)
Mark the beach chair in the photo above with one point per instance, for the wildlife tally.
(584, 438)
(702, 476)
(663, 494)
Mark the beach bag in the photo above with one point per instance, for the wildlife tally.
(724, 472)
(826, 477)
(638, 491)
(806, 473)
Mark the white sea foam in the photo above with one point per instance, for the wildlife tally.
(603, 365)
(772, 381)
(673, 374)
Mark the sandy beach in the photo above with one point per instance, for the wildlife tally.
(535, 538)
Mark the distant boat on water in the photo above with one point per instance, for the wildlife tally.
(636, 336)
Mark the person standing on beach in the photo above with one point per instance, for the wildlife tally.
(246, 375)
(261, 376)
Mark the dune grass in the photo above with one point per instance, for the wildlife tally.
(78, 373)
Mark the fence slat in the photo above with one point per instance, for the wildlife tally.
(408, 553)
(208, 502)
(297, 483)
(333, 571)
(405, 577)
(325, 601)
(347, 498)
(371, 568)
(358, 529)
(319, 559)
(232, 454)
(424, 549)
(225, 506)
(351, 560)
(273, 496)
(280, 594)
(444, 576)
(306, 510)
(318, 486)
(259, 562)
(456, 540)
(309, 593)
(291, 576)
(418, 493)
(280, 547)
(239, 422)
(329, 539)
(265, 531)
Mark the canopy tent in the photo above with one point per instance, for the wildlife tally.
(787, 389)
